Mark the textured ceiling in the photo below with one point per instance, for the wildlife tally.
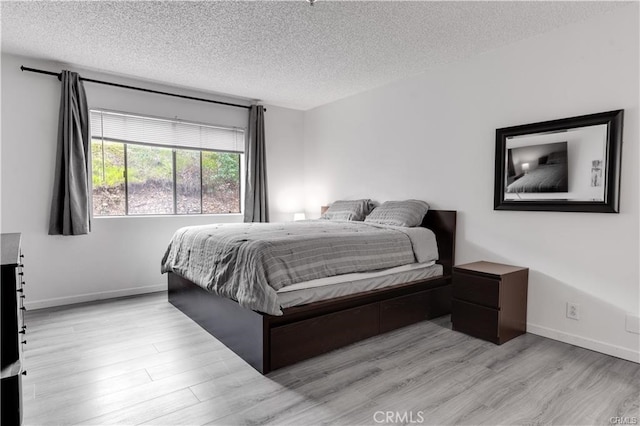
(282, 53)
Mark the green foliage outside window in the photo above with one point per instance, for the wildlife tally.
(149, 179)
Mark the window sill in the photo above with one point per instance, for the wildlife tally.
(175, 216)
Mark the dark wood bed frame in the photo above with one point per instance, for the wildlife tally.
(270, 342)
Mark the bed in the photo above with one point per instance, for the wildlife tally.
(271, 341)
(551, 175)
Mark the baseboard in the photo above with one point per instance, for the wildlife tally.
(90, 297)
(583, 342)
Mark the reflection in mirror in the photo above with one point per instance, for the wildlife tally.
(571, 164)
(560, 165)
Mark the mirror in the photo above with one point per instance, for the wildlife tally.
(571, 164)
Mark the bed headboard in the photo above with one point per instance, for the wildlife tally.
(443, 224)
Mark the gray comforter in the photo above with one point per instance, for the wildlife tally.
(545, 178)
(250, 262)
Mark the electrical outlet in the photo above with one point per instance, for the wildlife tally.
(573, 311)
(633, 324)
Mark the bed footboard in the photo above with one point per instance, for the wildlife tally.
(268, 342)
(241, 330)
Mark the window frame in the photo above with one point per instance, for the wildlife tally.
(174, 148)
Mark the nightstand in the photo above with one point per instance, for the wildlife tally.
(490, 300)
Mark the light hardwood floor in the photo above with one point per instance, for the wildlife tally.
(141, 361)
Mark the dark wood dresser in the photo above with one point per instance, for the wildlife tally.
(12, 329)
(490, 300)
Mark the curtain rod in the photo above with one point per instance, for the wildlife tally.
(124, 86)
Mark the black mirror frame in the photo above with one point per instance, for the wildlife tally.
(611, 203)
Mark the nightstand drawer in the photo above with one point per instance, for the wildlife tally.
(475, 320)
(476, 289)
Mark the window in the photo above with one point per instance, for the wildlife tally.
(147, 165)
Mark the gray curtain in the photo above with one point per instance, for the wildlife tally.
(256, 206)
(71, 198)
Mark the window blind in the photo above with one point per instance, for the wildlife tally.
(131, 128)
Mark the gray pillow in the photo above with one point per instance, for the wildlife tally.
(348, 210)
(399, 213)
(558, 157)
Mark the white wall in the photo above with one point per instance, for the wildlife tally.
(122, 255)
(433, 137)
(285, 163)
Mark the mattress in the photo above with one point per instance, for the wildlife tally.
(545, 178)
(249, 262)
(348, 284)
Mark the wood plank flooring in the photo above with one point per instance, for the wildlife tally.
(141, 361)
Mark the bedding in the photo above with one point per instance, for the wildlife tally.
(348, 284)
(348, 210)
(399, 213)
(549, 177)
(250, 262)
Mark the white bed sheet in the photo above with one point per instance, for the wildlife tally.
(344, 285)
